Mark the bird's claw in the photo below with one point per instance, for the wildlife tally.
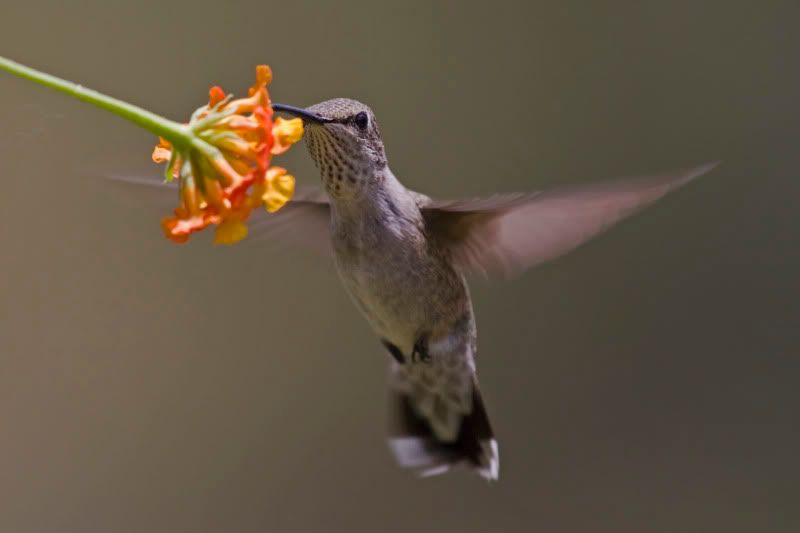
(420, 353)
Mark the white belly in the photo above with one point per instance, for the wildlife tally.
(389, 295)
(401, 288)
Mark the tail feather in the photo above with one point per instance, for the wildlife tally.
(415, 445)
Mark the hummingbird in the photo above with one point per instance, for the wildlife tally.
(404, 259)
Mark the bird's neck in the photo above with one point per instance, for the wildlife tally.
(380, 201)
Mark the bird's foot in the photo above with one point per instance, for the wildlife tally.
(394, 351)
(420, 353)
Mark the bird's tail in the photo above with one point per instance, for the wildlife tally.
(416, 445)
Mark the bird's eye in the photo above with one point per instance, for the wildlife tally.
(361, 120)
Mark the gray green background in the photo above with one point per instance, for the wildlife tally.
(647, 382)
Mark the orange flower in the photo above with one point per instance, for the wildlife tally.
(280, 189)
(163, 151)
(286, 133)
(225, 172)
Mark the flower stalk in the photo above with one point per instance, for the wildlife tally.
(155, 124)
(221, 158)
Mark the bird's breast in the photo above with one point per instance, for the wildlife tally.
(398, 284)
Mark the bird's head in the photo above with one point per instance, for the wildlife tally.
(343, 139)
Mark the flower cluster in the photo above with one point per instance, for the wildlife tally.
(224, 172)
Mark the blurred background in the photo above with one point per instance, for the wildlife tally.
(646, 382)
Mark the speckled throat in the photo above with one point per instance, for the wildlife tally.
(340, 167)
(346, 147)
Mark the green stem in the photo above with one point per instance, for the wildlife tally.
(178, 134)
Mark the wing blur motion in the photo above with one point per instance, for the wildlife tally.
(499, 235)
(303, 221)
(507, 234)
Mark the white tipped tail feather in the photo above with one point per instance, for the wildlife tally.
(421, 440)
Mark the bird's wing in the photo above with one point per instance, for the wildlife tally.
(303, 221)
(507, 234)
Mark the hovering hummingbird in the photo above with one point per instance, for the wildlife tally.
(403, 258)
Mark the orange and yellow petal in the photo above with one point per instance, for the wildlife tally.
(230, 231)
(161, 155)
(263, 78)
(279, 189)
(178, 229)
(215, 95)
(286, 133)
(163, 151)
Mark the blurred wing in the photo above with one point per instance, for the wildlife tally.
(304, 221)
(507, 234)
(148, 193)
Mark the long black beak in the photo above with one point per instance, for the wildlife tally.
(302, 113)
